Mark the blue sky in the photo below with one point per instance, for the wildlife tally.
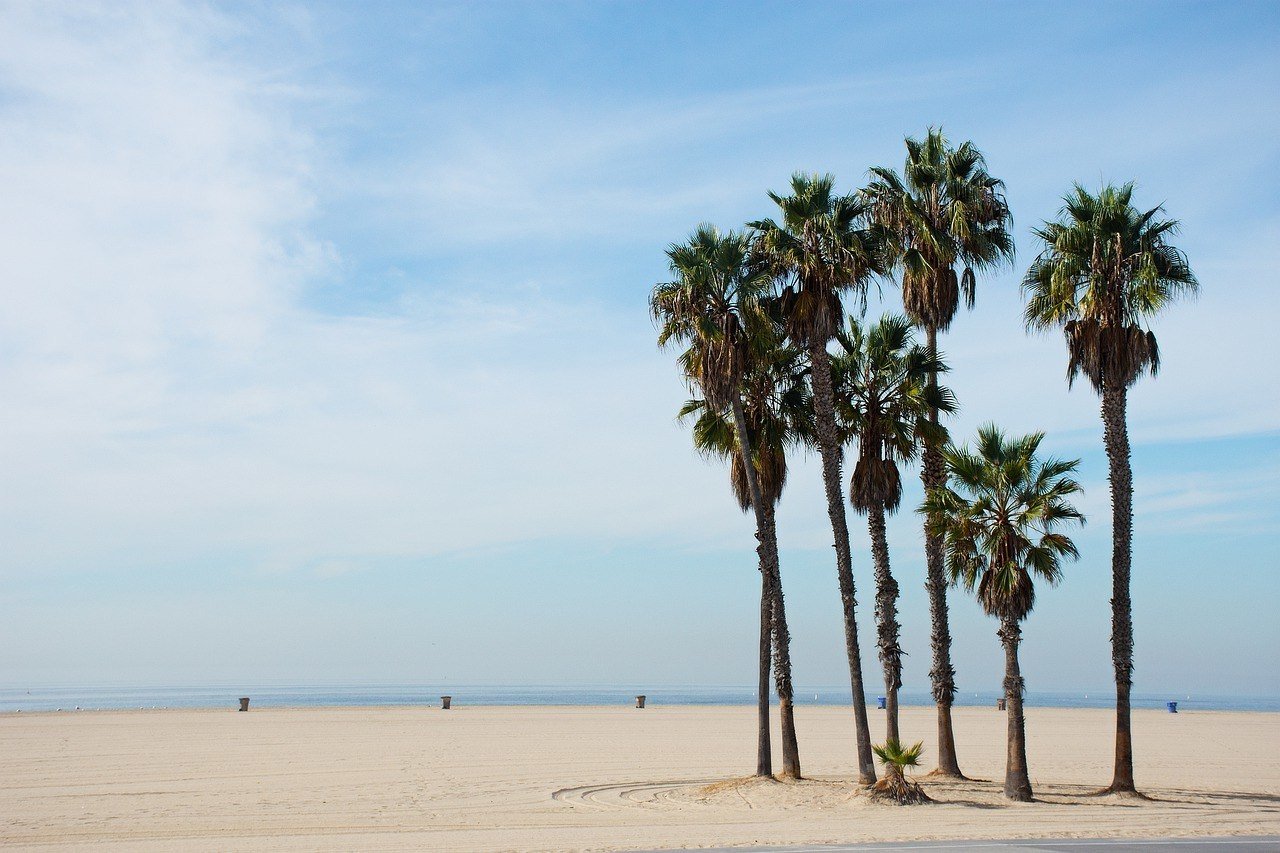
(325, 352)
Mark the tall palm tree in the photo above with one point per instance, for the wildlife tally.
(1106, 269)
(777, 412)
(713, 307)
(945, 213)
(885, 397)
(1000, 533)
(821, 251)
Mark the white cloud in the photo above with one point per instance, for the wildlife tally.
(487, 166)
(167, 397)
(170, 399)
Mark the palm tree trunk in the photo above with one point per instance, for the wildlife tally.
(768, 570)
(829, 447)
(1116, 437)
(782, 657)
(764, 749)
(886, 620)
(943, 674)
(1017, 783)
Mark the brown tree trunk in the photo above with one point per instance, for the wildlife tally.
(943, 675)
(768, 570)
(1115, 433)
(764, 749)
(782, 656)
(1017, 783)
(829, 447)
(886, 620)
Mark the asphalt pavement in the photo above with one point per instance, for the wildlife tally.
(1238, 844)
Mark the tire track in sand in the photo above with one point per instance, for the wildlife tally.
(644, 795)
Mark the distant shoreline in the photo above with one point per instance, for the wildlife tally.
(217, 696)
(549, 706)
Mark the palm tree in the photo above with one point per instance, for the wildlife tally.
(895, 786)
(777, 412)
(945, 212)
(1000, 533)
(819, 252)
(714, 307)
(885, 397)
(1106, 269)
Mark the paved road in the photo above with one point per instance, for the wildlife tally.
(1267, 844)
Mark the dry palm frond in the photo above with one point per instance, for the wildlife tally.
(1101, 353)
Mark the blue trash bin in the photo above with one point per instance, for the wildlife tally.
(880, 702)
(1172, 706)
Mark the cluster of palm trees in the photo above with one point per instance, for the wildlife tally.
(777, 363)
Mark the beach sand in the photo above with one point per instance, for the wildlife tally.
(576, 778)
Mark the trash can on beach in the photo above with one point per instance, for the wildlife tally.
(444, 702)
(1001, 703)
(1172, 706)
(880, 702)
(244, 703)
(640, 701)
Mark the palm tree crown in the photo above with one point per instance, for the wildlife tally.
(714, 305)
(778, 415)
(1107, 267)
(884, 399)
(944, 211)
(999, 518)
(821, 250)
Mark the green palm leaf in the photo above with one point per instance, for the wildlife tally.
(1105, 270)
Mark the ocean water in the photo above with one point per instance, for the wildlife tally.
(114, 697)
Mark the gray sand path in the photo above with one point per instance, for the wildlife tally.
(1263, 844)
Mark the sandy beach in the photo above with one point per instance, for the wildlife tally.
(587, 778)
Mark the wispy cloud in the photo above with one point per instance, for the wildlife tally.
(170, 393)
(297, 314)
(491, 166)
(167, 393)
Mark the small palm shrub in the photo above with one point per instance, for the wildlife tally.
(895, 787)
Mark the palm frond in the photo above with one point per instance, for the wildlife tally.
(883, 402)
(999, 517)
(946, 212)
(1105, 271)
(892, 753)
